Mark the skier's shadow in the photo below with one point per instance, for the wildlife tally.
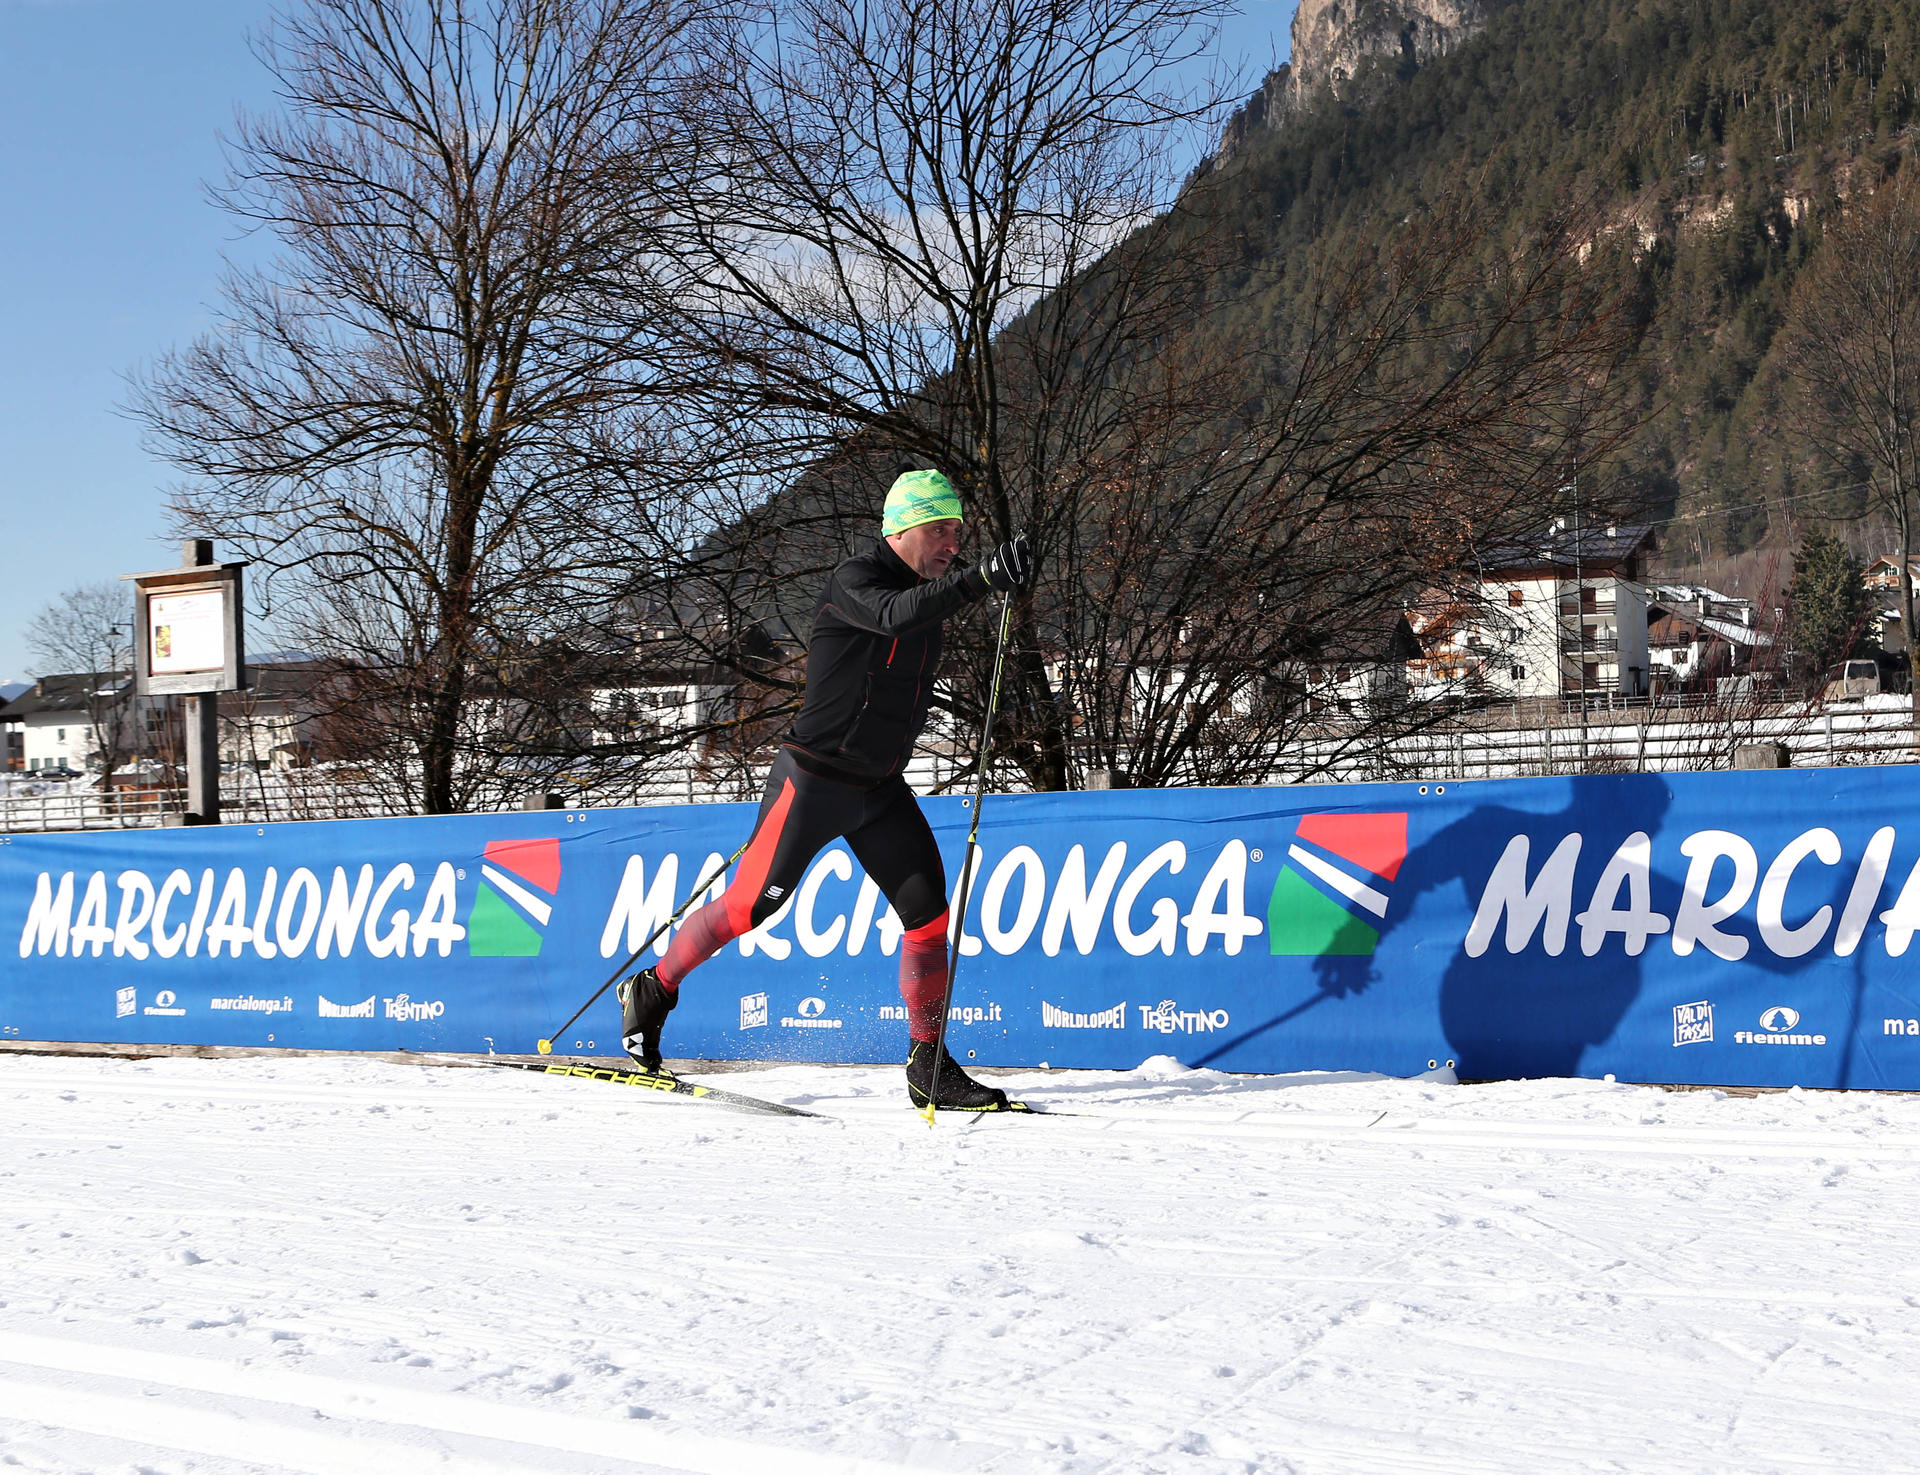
(1531, 1013)
(1505, 1014)
(1537, 1012)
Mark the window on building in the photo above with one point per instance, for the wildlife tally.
(60, 733)
(1519, 673)
(1516, 598)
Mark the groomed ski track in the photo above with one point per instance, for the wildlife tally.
(338, 1265)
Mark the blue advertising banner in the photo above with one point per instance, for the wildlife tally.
(1738, 928)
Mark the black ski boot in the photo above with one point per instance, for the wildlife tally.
(955, 1090)
(645, 1003)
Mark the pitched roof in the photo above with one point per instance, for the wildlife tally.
(1384, 637)
(1562, 549)
(64, 693)
(1886, 568)
(1677, 627)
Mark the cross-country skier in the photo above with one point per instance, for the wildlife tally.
(871, 664)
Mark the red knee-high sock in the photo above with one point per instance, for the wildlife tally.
(923, 977)
(699, 938)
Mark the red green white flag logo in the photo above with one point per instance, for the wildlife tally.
(514, 900)
(1329, 896)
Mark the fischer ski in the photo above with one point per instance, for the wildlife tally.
(672, 1085)
(1012, 1108)
(658, 1081)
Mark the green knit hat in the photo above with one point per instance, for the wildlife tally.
(917, 497)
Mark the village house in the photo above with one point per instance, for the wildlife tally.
(280, 721)
(1882, 578)
(1556, 616)
(86, 721)
(1695, 634)
(79, 721)
(1883, 575)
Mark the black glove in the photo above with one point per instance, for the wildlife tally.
(1007, 567)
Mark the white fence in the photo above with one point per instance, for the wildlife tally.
(251, 797)
(1871, 731)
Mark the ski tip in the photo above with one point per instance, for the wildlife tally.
(546, 1047)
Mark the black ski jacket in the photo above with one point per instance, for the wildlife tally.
(871, 662)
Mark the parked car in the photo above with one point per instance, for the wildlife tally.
(58, 771)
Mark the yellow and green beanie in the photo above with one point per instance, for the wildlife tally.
(917, 497)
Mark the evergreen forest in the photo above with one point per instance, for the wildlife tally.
(1710, 140)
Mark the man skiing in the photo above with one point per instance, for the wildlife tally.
(871, 664)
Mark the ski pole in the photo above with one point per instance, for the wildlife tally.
(546, 1045)
(966, 861)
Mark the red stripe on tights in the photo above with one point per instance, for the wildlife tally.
(751, 878)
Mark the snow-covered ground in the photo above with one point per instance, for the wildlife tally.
(341, 1265)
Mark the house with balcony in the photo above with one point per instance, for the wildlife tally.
(1882, 579)
(1883, 575)
(1563, 614)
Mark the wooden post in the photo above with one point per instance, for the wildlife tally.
(203, 722)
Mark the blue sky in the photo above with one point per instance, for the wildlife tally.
(111, 112)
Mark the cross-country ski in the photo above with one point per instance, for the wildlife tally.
(663, 1081)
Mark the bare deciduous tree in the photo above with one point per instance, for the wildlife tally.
(88, 632)
(904, 245)
(1223, 521)
(1266, 520)
(403, 416)
(1852, 351)
(557, 351)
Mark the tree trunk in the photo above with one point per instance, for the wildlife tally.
(1038, 720)
(1047, 763)
(1906, 615)
(440, 743)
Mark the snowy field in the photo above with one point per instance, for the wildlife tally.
(339, 1265)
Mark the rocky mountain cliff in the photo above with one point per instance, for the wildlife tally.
(1336, 41)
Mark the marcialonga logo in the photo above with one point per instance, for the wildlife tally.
(514, 900)
(1331, 885)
